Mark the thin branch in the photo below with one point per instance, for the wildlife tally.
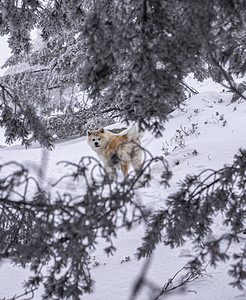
(31, 292)
(141, 280)
(187, 278)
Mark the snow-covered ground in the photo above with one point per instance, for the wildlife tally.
(206, 132)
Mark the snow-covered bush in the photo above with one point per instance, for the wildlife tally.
(73, 123)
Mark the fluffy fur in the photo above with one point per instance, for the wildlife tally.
(117, 150)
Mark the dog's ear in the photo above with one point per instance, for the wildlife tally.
(101, 130)
(88, 132)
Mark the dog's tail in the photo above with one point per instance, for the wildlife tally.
(134, 133)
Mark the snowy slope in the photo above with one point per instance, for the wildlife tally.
(204, 133)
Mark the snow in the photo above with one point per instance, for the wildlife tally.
(206, 132)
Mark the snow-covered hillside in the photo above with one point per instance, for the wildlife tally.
(206, 132)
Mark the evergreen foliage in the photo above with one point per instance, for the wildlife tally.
(20, 118)
(190, 213)
(75, 123)
(43, 228)
(130, 57)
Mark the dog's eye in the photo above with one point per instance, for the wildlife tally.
(93, 140)
(98, 139)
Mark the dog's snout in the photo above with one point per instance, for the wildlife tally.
(96, 144)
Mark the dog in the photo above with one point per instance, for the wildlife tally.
(117, 150)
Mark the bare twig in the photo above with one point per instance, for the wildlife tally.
(187, 278)
(31, 293)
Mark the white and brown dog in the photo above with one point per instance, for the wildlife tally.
(117, 150)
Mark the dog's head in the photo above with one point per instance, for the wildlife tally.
(97, 139)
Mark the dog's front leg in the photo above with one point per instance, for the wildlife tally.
(111, 172)
(137, 165)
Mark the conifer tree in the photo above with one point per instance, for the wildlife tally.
(131, 58)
